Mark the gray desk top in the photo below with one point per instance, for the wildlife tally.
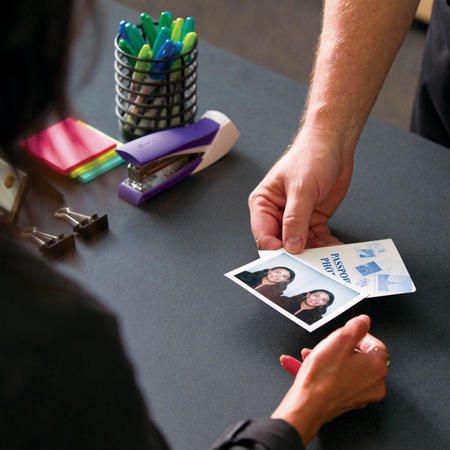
(205, 351)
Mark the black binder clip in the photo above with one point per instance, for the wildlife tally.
(84, 226)
(48, 244)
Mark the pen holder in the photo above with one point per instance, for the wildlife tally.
(162, 96)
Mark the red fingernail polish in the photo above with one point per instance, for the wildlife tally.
(290, 364)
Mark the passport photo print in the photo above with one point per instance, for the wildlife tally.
(296, 290)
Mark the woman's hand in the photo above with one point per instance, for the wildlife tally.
(343, 372)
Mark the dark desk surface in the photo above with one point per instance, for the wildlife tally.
(205, 351)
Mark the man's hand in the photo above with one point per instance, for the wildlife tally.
(358, 42)
(344, 371)
(292, 204)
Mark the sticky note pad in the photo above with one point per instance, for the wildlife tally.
(101, 168)
(93, 163)
(68, 144)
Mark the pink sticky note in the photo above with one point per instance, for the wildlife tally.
(68, 144)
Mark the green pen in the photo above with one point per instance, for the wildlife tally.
(144, 66)
(177, 29)
(188, 42)
(145, 53)
(188, 27)
(188, 45)
(163, 35)
(129, 50)
(165, 20)
(149, 28)
(137, 41)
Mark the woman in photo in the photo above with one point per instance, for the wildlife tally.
(312, 305)
(269, 282)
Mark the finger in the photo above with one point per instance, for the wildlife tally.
(297, 213)
(344, 341)
(265, 221)
(369, 343)
(290, 364)
(305, 352)
(268, 242)
(353, 332)
(321, 230)
(381, 354)
(314, 242)
(320, 236)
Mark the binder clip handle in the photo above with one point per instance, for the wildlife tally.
(49, 244)
(83, 225)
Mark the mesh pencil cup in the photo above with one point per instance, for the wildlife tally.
(162, 96)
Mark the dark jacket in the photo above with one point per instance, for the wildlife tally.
(309, 315)
(65, 380)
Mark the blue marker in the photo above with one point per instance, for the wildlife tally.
(166, 51)
(177, 51)
(121, 31)
(178, 47)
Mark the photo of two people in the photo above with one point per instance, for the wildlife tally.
(308, 297)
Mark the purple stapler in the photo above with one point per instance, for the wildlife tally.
(159, 160)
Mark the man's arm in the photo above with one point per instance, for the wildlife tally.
(359, 40)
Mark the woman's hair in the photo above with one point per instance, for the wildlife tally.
(35, 53)
(254, 279)
(320, 309)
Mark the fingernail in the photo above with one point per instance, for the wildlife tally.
(294, 244)
(305, 351)
(290, 364)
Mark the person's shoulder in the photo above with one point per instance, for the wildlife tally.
(271, 289)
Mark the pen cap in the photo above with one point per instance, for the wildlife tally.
(156, 92)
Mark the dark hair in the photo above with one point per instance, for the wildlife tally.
(320, 309)
(35, 52)
(254, 279)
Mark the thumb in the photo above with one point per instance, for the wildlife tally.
(297, 213)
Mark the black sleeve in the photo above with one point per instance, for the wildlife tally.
(65, 381)
(260, 434)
